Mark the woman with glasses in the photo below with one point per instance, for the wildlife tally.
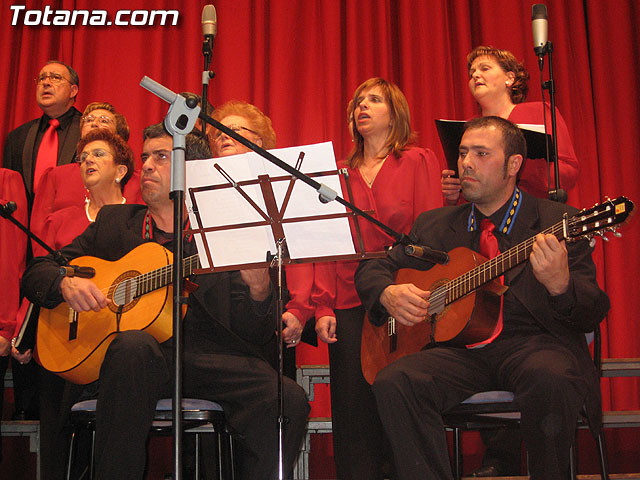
(105, 167)
(103, 115)
(247, 120)
(62, 187)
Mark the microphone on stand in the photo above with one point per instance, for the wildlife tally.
(209, 31)
(540, 30)
(427, 253)
(209, 22)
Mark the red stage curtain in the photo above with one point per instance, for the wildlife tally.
(300, 60)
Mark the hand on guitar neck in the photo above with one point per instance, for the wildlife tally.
(82, 295)
(406, 303)
(550, 263)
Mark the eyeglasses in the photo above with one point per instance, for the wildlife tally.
(54, 78)
(157, 155)
(96, 153)
(235, 128)
(102, 119)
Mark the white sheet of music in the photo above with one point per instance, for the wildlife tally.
(241, 244)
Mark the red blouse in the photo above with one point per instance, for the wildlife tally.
(403, 188)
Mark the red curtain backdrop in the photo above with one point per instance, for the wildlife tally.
(300, 60)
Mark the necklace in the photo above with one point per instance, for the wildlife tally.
(86, 208)
(364, 177)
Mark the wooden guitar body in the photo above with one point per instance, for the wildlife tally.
(470, 319)
(73, 345)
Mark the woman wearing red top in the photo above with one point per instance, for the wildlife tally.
(498, 82)
(397, 182)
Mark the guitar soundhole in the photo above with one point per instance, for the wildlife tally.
(123, 292)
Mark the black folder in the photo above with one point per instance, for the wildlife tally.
(450, 132)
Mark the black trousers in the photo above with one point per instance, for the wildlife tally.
(413, 392)
(358, 438)
(136, 373)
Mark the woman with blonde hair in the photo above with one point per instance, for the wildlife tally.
(397, 181)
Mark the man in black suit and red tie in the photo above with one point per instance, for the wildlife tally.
(51, 139)
(537, 349)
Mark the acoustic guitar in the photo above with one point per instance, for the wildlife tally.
(464, 304)
(73, 344)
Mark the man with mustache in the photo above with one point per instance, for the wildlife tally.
(538, 348)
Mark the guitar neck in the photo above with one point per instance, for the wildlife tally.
(147, 282)
(497, 266)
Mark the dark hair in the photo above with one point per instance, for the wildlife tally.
(122, 127)
(513, 142)
(122, 153)
(197, 146)
(508, 62)
(399, 136)
(75, 79)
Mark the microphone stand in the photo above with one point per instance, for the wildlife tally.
(179, 121)
(557, 194)
(207, 47)
(325, 195)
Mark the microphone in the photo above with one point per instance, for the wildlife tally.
(427, 253)
(209, 21)
(8, 208)
(540, 28)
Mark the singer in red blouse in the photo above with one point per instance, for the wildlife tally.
(397, 182)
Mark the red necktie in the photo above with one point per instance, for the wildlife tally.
(48, 151)
(489, 248)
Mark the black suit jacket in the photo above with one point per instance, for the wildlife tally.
(221, 316)
(20, 152)
(446, 228)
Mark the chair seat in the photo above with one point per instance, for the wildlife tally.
(485, 402)
(193, 409)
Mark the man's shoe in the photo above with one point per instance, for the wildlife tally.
(488, 471)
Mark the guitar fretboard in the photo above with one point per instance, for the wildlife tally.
(487, 271)
(150, 281)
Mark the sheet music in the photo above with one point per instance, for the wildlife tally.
(227, 207)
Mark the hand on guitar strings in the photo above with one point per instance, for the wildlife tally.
(550, 263)
(293, 331)
(82, 294)
(406, 303)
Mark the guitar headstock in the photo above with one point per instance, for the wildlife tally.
(599, 219)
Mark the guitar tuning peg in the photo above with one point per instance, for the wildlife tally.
(604, 238)
(617, 234)
(592, 242)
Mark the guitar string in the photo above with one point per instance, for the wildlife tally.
(149, 278)
(459, 286)
(463, 284)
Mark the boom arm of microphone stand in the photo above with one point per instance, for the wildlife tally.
(326, 194)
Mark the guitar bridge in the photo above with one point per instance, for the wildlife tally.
(392, 334)
(73, 324)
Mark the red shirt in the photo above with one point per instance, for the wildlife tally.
(403, 188)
